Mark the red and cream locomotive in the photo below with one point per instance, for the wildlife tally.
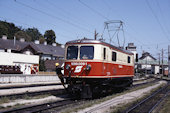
(92, 66)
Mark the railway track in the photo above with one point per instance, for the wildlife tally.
(31, 94)
(27, 86)
(148, 104)
(42, 107)
(54, 105)
(19, 92)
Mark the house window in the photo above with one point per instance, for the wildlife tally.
(128, 59)
(114, 56)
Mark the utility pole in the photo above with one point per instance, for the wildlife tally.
(95, 35)
(169, 61)
(159, 62)
(146, 67)
(162, 62)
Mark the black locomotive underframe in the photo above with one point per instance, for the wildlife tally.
(89, 87)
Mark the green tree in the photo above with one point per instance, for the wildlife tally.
(42, 65)
(22, 34)
(33, 33)
(42, 40)
(3, 30)
(50, 36)
(8, 29)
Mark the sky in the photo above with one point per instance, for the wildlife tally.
(145, 22)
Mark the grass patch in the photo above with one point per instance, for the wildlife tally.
(89, 103)
(4, 100)
(26, 97)
(164, 106)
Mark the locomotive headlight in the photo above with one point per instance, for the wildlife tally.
(88, 67)
(67, 67)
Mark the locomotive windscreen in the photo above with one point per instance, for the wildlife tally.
(72, 52)
(86, 52)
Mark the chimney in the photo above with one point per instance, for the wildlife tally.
(37, 42)
(62, 46)
(45, 42)
(54, 44)
(4, 37)
(22, 40)
(14, 40)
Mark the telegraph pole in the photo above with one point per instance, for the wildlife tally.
(162, 62)
(169, 61)
(159, 63)
(95, 35)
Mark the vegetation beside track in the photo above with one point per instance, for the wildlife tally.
(122, 107)
(164, 106)
(89, 103)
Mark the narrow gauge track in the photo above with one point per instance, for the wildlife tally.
(41, 107)
(31, 94)
(153, 81)
(27, 86)
(148, 104)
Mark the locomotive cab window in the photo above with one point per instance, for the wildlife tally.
(128, 59)
(72, 52)
(86, 52)
(104, 53)
(114, 56)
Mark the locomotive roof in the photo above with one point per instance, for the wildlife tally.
(92, 41)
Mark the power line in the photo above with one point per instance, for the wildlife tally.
(32, 17)
(93, 10)
(16, 21)
(157, 19)
(52, 16)
(162, 15)
(67, 13)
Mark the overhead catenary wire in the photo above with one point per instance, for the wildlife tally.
(33, 18)
(93, 10)
(77, 19)
(157, 19)
(162, 15)
(53, 16)
(5, 19)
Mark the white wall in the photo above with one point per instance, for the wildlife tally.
(24, 61)
(148, 58)
(146, 66)
(2, 50)
(156, 69)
